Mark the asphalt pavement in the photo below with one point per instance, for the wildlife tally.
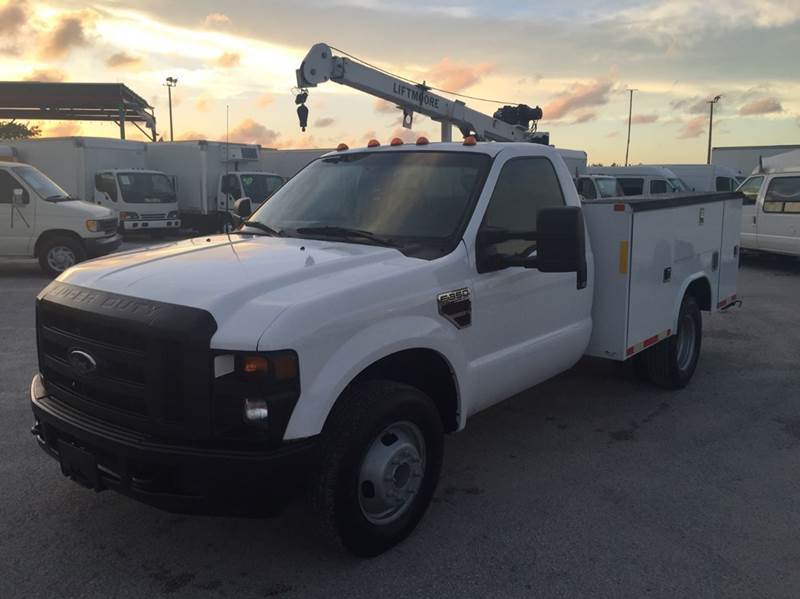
(590, 485)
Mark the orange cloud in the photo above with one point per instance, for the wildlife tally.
(228, 60)
(63, 129)
(69, 33)
(384, 106)
(191, 135)
(252, 132)
(585, 117)
(644, 119)
(202, 103)
(454, 76)
(324, 122)
(13, 15)
(123, 60)
(694, 127)
(217, 20)
(371, 134)
(46, 75)
(581, 95)
(299, 143)
(265, 99)
(761, 106)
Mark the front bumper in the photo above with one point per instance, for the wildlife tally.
(100, 246)
(149, 225)
(177, 477)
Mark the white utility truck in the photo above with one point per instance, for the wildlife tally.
(707, 177)
(771, 211)
(211, 176)
(378, 300)
(109, 172)
(642, 180)
(40, 220)
(597, 187)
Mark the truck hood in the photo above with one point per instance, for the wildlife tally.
(241, 280)
(83, 209)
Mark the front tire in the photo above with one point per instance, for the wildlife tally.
(60, 252)
(381, 458)
(671, 363)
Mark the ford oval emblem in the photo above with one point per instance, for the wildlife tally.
(82, 362)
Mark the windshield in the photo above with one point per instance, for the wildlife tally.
(609, 187)
(41, 184)
(677, 185)
(140, 188)
(416, 201)
(260, 187)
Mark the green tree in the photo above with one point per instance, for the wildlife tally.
(14, 130)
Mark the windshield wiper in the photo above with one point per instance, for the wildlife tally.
(344, 233)
(261, 227)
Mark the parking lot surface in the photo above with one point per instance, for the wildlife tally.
(590, 485)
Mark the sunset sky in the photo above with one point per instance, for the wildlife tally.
(575, 59)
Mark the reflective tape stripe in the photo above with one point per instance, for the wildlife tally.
(727, 301)
(650, 341)
(623, 257)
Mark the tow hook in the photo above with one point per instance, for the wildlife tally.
(736, 302)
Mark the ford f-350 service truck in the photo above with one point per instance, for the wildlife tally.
(379, 299)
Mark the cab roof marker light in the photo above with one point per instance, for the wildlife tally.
(396, 142)
(373, 143)
(342, 147)
(470, 140)
(422, 141)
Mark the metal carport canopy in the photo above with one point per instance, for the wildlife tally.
(112, 102)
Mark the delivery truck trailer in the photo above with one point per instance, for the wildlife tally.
(109, 172)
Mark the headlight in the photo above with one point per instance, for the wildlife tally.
(254, 394)
(172, 215)
(128, 216)
(93, 226)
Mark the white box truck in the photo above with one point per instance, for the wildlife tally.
(378, 300)
(211, 176)
(744, 159)
(109, 172)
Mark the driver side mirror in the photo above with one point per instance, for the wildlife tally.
(19, 197)
(243, 207)
(560, 239)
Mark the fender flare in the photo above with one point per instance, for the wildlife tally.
(360, 351)
(684, 287)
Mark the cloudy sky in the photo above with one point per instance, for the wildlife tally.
(575, 59)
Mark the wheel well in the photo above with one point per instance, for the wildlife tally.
(425, 369)
(701, 290)
(54, 233)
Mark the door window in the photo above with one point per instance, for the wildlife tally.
(658, 186)
(7, 186)
(725, 184)
(783, 195)
(525, 186)
(587, 190)
(230, 185)
(750, 189)
(107, 183)
(631, 186)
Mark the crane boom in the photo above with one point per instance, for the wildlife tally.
(321, 65)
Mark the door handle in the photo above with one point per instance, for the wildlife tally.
(754, 219)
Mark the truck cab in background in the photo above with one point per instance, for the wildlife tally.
(707, 177)
(143, 200)
(258, 186)
(40, 220)
(771, 207)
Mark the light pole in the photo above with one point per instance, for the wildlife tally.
(711, 124)
(171, 82)
(630, 114)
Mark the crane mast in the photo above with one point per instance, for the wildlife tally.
(510, 123)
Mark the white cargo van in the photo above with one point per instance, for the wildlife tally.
(377, 301)
(642, 180)
(211, 176)
(707, 177)
(771, 211)
(40, 220)
(109, 172)
(593, 187)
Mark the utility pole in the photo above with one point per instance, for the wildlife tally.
(171, 82)
(630, 114)
(711, 124)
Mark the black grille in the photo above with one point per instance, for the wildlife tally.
(107, 225)
(149, 362)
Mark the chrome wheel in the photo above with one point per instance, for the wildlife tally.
(391, 473)
(61, 257)
(687, 337)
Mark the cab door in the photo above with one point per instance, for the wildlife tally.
(17, 216)
(750, 189)
(526, 325)
(779, 219)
